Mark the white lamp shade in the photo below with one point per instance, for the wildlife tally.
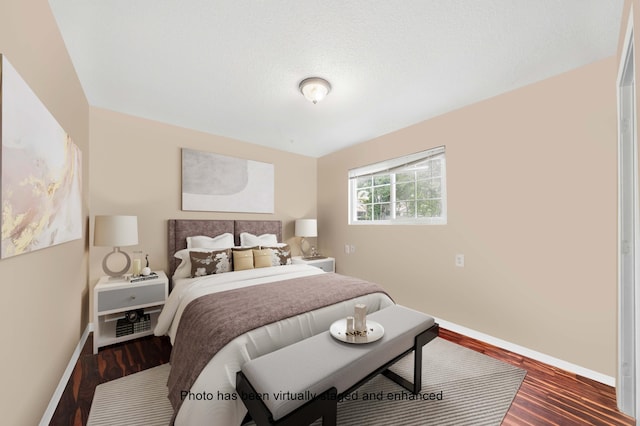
(115, 231)
(306, 228)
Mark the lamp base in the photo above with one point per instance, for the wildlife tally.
(116, 274)
(305, 252)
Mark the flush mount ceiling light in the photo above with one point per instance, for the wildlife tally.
(315, 88)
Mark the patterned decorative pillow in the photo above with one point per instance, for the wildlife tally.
(184, 269)
(262, 258)
(211, 262)
(281, 254)
(242, 259)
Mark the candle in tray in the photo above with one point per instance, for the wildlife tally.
(360, 317)
(350, 325)
(137, 267)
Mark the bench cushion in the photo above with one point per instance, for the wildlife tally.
(321, 362)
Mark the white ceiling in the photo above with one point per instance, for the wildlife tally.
(232, 67)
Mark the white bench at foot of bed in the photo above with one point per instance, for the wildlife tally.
(322, 369)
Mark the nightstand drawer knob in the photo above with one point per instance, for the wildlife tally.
(133, 298)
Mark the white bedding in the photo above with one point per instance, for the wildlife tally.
(208, 405)
(187, 289)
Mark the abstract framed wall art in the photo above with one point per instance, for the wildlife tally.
(41, 179)
(214, 182)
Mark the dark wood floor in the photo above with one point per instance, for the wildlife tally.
(110, 363)
(548, 396)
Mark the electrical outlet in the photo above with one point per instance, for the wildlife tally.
(460, 260)
(352, 248)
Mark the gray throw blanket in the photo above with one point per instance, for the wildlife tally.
(211, 321)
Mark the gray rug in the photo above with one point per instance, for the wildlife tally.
(460, 387)
(137, 399)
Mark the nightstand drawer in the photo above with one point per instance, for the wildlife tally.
(325, 265)
(131, 296)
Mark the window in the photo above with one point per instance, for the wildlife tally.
(405, 190)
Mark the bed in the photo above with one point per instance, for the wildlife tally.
(217, 322)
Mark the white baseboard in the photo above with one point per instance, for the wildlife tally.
(55, 399)
(521, 350)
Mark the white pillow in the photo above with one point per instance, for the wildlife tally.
(250, 240)
(184, 269)
(222, 241)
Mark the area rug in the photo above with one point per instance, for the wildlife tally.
(459, 387)
(136, 399)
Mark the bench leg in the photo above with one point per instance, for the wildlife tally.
(330, 417)
(324, 406)
(420, 340)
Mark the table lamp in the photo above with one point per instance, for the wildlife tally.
(306, 228)
(116, 232)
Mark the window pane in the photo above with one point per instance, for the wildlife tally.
(423, 170)
(381, 211)
(429, 208)
(364, 212)
(433, 168)
(382, 179)
(405, 177)
(382, 194)
(406, 191)
(364, 196)
(429, 189)
(435, 189)
(424, 174)
(364, 182)
(405, 209)
(436, 167)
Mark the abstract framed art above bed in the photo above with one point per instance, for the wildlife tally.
(215, 182)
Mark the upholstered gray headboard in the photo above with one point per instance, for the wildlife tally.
(180, 229)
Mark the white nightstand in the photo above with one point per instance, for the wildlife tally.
(113, 299)
(327, 264)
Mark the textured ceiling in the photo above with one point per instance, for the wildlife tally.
(232, 67)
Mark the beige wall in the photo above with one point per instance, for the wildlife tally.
(136, 169)
(531, 181)
(44, 297)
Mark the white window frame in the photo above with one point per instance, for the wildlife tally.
(391, 167)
